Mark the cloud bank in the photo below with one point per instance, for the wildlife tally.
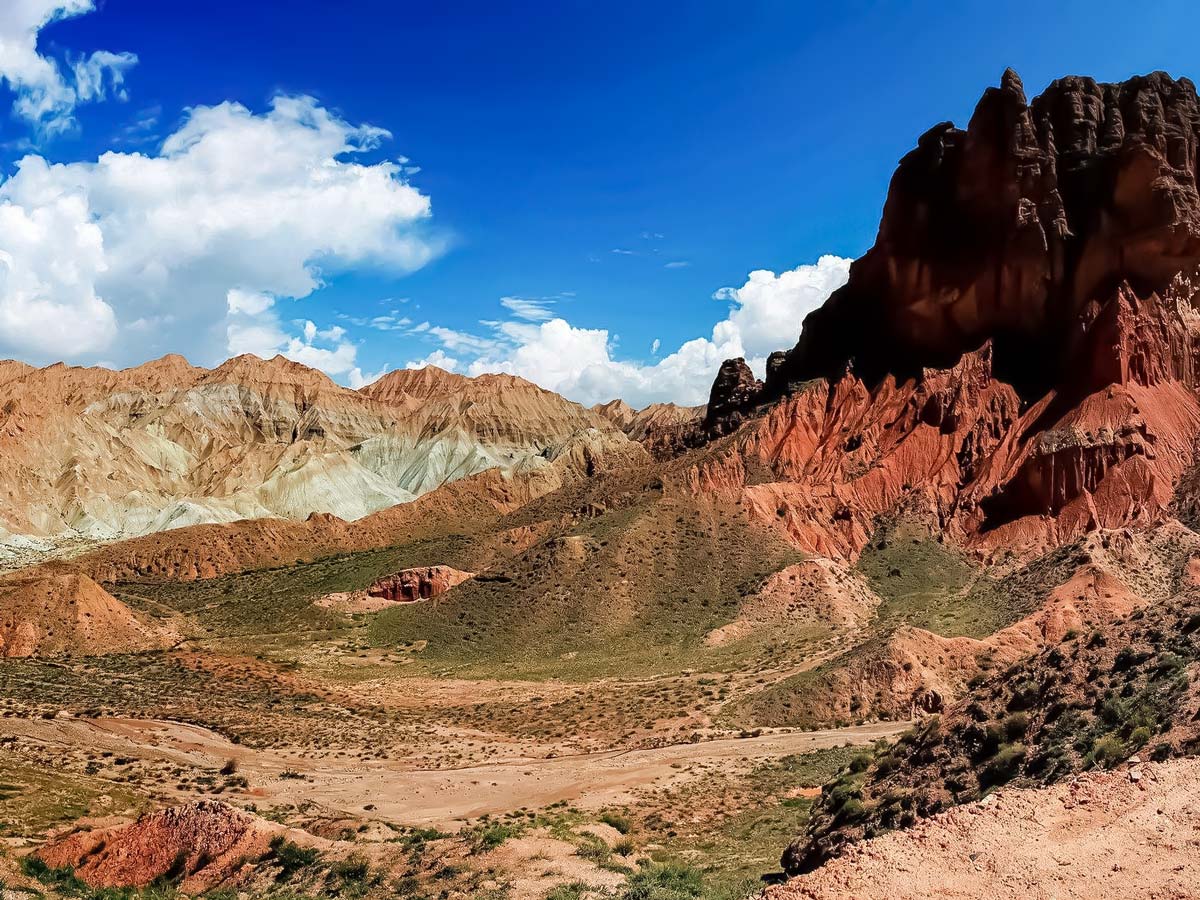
(150, 246)
(764, 315)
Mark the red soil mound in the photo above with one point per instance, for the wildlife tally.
(51, 615)
(203, 844)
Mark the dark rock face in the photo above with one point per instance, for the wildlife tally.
(734, 393)
(1008, 230)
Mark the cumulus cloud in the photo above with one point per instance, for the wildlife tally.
(266, 204)
(356, 378)
(438, 358)
(253, 326)
(764, 315)
(51, 256)
(46, 96)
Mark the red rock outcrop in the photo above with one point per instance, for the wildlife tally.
(1009, 229)
(201, 844)
(734, 394)
(421, 583)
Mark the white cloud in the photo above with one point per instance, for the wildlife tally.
(459, 340)
(253, 326)
(654, 347)
(336, 360)
(438, 358)
(50, 258)
(250, 303)
(266, 204)
(765, 315)
(677, 264)
(46, 97)
(356, 378)
(385, 323)
(532, 310)
(769, 307)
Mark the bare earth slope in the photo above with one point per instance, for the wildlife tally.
(1101, 835)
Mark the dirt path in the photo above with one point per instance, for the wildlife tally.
(438, 797)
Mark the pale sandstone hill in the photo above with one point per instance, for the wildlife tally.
(51, 615)
(472, 503)
(103, 454)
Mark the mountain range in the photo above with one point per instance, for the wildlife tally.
(965, 501)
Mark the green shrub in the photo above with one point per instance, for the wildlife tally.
(617, 821)
(489, 837)
(1015, 725)
(1024, 696)
(1003, 766)
(594, 850)
(353, 868)
(851, 811)
(887, 765)
(664, 881)
(291, 857)
(1169, 664)
(1140, 736)
(1127, 658)
(624, 847)
(573, 891)
(860, 762)
(1106, 752)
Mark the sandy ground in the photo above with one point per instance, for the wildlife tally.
(1101, 835)
(437, 797)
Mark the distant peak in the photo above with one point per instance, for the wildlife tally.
(277, 370)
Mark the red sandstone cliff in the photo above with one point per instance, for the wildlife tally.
(1017, 354)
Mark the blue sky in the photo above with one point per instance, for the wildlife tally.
(621, 168)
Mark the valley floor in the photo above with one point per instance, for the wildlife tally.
(442, 798)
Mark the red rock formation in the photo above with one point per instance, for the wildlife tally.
(1107, 450)
(1008, 230)
(203, 843)
(734, 393)
(420, 583)
(1060, 236)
